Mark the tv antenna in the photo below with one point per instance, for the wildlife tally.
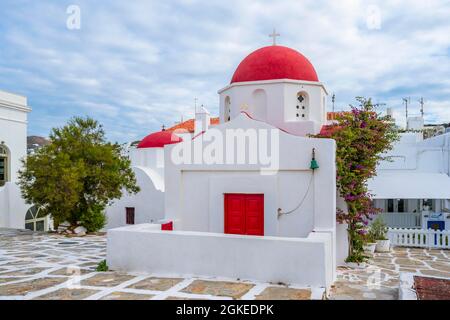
(406, 101)
(333, 99)
(421, 101)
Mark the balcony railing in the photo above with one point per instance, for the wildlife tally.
(410, 220)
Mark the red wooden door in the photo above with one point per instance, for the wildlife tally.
(244, 214)
(254, 214)
(234, 217)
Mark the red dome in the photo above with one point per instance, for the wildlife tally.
(275, 62)
(159, 139)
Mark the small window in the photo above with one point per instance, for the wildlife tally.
(129, 215)
(227, 108)
(390, 205)
(401, 205)
(3, 164)
(428, 203)
(36, 219)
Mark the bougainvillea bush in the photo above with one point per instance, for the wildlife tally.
(362, 137)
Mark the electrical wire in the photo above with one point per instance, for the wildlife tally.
(280, 213)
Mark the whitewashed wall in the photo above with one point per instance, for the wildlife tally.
(152, 158)
(13, 131)
(17, 207)
(304, 262)
(13, 128)
(148, 203)
(194, 192)
(281, 96)
(411, 152)
(341, 235)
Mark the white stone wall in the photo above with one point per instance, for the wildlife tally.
(152, 158)
(148, 203)
(13, 131)
(194, 192)
(414, 153)
(277, 104)
(144, 248)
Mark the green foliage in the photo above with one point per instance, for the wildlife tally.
(362, 137)
(77, 175)
(357, 257)
(102, 266)
(378, 229)
(369, 238)
(93, 218)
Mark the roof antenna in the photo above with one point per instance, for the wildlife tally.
(421, 106)
(406, 101)
(333, 99)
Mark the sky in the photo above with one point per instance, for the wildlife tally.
(136, 65)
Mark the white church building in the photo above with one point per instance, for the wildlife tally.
(252, 197)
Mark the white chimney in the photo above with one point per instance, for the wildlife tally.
(202, 120)
(390, 112)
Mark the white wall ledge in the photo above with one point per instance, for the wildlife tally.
(297, 261)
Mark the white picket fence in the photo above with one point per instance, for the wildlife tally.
(419, 238)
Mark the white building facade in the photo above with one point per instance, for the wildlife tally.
(412, 186)
(14, 110)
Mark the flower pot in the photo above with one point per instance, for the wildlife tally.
(383, 246)
(369, 248)
(356, 265)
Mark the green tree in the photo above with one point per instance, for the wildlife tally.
(77, 175)
(362, 137)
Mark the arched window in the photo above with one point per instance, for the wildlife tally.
(302, 106)
(227, 114)
(4, 164)
(258, 109)
(36, 219)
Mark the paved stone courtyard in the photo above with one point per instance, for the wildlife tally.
(49, 266)
(380, 280)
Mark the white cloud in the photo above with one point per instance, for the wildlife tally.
(137, 65)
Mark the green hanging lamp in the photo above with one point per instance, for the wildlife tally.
(314, 165)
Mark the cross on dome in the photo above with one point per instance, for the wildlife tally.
(274, 35)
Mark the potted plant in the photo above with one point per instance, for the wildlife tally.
(370, 243)
(379, 231)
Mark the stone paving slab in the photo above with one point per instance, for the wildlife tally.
(107, 279)
(49, 266)
(233, 290)
(281, 293)
(22, 288)
(23, 272)
(67, 294)
(127, 296)
(156, 284)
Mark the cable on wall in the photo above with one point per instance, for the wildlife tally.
(314, 165)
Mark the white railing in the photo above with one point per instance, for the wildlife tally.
(419, 238)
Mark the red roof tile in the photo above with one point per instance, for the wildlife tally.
(189, 125)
